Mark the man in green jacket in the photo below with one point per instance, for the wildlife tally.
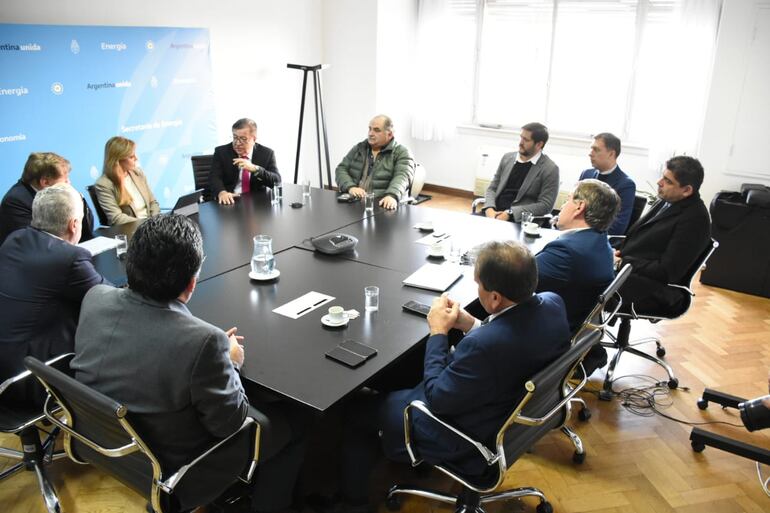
(378, 165)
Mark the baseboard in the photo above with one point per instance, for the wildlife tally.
(461, 193)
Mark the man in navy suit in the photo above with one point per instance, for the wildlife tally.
(473, 388)
(604, 157)
(527, 180)
(242, 166)
(45, 277)
(40, 171)
(663, 245)
(578, 265)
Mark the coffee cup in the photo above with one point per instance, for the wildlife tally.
(427, 225)
(336, 314)
(531, 228)
(437, 249)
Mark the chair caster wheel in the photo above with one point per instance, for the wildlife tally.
(703, 404)
(393, 503)
(661, 352)
(584, 414)
(673, 383)
(544, 507)
(605, 395)
(697, 447)
(578, 457)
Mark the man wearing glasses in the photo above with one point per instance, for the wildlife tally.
(242, 166)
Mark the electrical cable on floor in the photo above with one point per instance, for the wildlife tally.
(764, 483)
(650, 400)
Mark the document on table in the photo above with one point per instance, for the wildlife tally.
(432, 239)
(99, 245)
(438, 277)
(296, 308)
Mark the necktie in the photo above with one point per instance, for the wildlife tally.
(245, 177)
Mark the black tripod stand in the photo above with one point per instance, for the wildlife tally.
(319, 114)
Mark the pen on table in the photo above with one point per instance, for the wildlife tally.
(311, 306)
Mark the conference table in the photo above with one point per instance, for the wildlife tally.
(286, 356)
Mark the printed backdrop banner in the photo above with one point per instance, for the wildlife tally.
(68, 89)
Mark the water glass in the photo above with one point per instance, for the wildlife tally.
(371, 298)
(305, 191)
(526, 217)
(277, 193)
(262, 260)
(456, 251)
(369, 203)
(122, 245)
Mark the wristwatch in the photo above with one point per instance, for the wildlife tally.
(510, 213)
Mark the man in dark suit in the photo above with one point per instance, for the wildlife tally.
(527, 180)
(578, 265)
(41, 170)
(44, 279)
(605, 151)
(473, 388)
(190, 394)
(663, 245)
(242, 166)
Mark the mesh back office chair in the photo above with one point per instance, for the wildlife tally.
(99, 211)
(621, 340)
(201, 165)
(636, 212)
(545, 406)
(20, 419)
(99, 431)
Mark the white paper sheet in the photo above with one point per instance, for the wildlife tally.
(434, 276)
(99, 245)
(305, 304)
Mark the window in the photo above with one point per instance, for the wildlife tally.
(582, 67)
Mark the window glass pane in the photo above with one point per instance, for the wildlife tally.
(592, 57)
(513, 66)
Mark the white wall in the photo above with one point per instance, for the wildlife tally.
(251, 43)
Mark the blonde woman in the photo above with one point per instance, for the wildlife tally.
(122, 190)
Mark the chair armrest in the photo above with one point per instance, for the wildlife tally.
(57, 362)
(537, 421)
(476, 203)
(115, 452)
(169, 484)
(488, 455)
(682, 287)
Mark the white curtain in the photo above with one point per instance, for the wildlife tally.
(435, 84)
(683, 77)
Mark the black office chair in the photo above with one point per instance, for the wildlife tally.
(21, 419)
(99, 211)
(640, 201)
(621, 340)
(201, 165)
(545, 406)
(100, 431)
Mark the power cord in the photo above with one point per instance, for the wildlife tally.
(652, 399)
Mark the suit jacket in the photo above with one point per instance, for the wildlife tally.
(169, 368)
(664, 248)
(477, 387)
(538, 192)
(225, 175)
(577, 266)
(626, 189)
(16, 212)
(43, 282)
(107, 194)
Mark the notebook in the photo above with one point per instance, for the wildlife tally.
(438, 277)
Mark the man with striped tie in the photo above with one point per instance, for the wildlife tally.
(665, 243)
(242, 166)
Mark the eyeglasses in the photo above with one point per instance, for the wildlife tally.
(242, 140)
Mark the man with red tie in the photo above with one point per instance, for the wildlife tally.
(242, 166)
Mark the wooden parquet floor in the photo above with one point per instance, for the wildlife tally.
(634, 464)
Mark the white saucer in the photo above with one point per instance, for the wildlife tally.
(326, 321)
(531, 233)
(438, 254)
(266, 277)
(423, 228)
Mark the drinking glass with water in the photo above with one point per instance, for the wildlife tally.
(262, 260)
